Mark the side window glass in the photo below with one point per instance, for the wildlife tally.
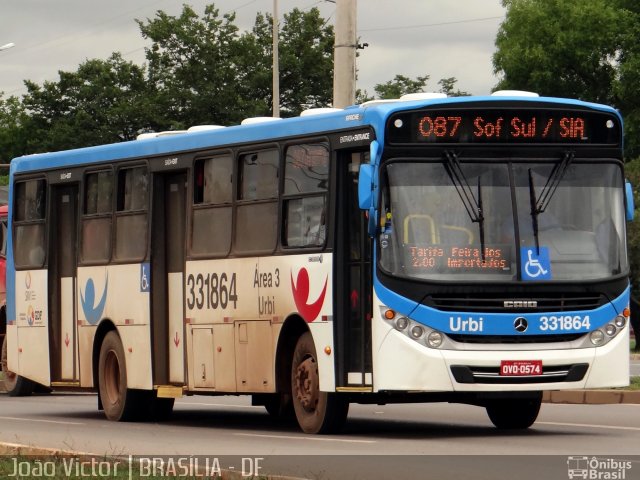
(95, 245)
(132, 189)
(256, 219)
(212, 212)
(29, 223)
(306, 169)
(306, 180)
(131, 214)
(213, 180)
(258, 175)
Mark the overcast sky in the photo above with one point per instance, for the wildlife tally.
(409, 37)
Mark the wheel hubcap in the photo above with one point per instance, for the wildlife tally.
(307, 388)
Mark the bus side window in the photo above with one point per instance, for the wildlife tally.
(30, 224)
(213, 194)
(131, 214)
(306, 178)
(257, 209)
(95, 246)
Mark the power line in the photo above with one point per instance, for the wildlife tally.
(403, 27)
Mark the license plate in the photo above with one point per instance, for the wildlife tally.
(520, 367)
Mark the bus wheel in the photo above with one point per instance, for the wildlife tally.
(15, 385)
(514, 413)
(119, 402)
(316, 411)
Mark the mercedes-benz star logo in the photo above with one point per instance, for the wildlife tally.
(521, 324)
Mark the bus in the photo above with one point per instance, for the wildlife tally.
(425, 249)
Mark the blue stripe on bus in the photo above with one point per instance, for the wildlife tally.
(374, 116)
(461, 322)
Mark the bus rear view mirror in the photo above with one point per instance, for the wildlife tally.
(630, 204)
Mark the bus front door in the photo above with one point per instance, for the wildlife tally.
(63, 347)
(353, 279)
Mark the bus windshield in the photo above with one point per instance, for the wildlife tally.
(558, 220)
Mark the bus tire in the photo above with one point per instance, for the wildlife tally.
(514, 413)
(120, 403)
(316, 411)
(15, 385)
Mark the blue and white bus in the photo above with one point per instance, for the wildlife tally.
(419, 250)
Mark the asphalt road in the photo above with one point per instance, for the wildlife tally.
(392, 441)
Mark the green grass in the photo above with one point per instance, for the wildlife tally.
(634, 383)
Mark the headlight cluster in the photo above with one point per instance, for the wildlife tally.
(414, 330)
(604, 334)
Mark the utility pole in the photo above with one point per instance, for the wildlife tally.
(344, 54)
(276, 63)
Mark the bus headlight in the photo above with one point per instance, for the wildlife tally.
(417, 331)
(435, 339)
(620, 321)
(402, 323)
(597, 337)
(610, 329)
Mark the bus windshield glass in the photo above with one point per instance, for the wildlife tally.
(551, 220)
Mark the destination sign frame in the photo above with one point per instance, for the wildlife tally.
(486, 125)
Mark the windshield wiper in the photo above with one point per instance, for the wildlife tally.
(472, 205)
(540, 204)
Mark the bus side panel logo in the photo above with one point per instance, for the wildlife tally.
(300, 289)
(93, 312)
(535, 263)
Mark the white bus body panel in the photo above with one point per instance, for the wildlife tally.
(32, 320)
(266, 289)
(400, 363)
(127, 305)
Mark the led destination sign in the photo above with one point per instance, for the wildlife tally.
(505, 126)
(448, 258)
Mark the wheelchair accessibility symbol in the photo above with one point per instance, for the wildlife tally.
(535, 263)
(144, 277)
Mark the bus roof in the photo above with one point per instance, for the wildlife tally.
(328, 120)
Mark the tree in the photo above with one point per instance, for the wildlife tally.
(102, 102)
(306, 61)
(206, 72)
(587, 50)
(400, 85)
(13, 130)
(448, 85)
(559, 48)
(193, 66)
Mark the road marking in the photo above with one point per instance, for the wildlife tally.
(40, 420)
(316, 439)
(586, 425)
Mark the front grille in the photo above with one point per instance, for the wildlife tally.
(482, 303)
(515, 339)
(491, 375)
